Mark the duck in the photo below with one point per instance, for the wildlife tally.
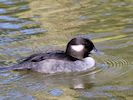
(76, 58)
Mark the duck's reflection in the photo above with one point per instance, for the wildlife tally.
(70, 81)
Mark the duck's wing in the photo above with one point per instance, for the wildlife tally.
(36, 57)
(42, 56)
(34, 60)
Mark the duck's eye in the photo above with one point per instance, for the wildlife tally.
(77, 48)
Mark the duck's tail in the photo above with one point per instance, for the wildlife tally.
(7, 68)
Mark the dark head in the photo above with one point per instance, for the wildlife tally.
(79, 48)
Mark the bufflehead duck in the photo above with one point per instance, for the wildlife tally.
(76, 58)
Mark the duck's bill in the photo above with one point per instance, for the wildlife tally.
(94, 51)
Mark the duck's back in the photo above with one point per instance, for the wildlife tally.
(36, 61)
(43, 56)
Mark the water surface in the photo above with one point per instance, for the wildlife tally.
(31, 26)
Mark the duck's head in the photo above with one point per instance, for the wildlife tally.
(80, 48)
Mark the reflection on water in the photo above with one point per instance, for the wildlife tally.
(29, 26)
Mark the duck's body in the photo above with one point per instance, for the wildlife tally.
(75, 59)
(55, 62)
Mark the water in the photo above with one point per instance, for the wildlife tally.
(30, 26)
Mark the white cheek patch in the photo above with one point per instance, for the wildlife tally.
(77, 48)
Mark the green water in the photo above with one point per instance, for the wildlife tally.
(31, 26)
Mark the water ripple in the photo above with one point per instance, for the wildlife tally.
(9, 26)
(2, 11)
(8, 18)
(113, 62)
